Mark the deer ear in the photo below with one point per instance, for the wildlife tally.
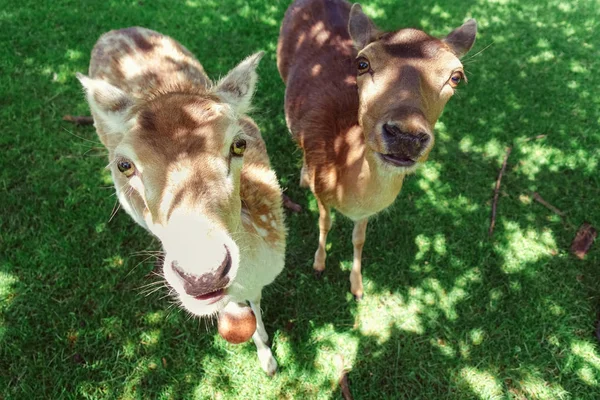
(462, 38)
(238, 86)
(110, 107)
(361, 29)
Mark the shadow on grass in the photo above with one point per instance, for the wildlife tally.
(447, 313)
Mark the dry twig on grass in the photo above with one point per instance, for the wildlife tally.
(535, 138)
(539, 199)
(79, 119)
(497, 192)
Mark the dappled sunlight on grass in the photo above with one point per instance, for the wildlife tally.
(586, 362)
(491, 149)
(588, 352)
(154, 317)
(437, 194)
(435, 295)
(524, 247)
(74, 55)
(225, 375)
(533, 386)
(150, 338)
(477, 336)
(7, 281)
(380, 313)
(332, 345)
(482, 383)
(129, 349)
(7, 294)
(106, 177)
(62, 73)
(115, 261)
(426, 244)
(588, 375)
(447, 312)
(544, 56)
(535, 157)
(443, 347)
(5, 15)
(373, 10)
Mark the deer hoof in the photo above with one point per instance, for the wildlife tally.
(269, 365)
(358, 297)
(318, 274)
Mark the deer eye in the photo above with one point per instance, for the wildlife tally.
(238, 147)
(456, 78)
(126, 167)
(362, 64)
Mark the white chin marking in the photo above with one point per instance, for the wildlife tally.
(394, 169)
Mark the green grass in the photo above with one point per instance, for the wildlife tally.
(448, 314)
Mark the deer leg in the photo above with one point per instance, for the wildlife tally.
(359, 235)
(304, 178)
(324, 227)
(260, 337)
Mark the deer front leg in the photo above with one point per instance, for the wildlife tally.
(324, 227)
(260, 337)
(359, 235)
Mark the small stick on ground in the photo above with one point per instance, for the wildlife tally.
(290, 204)
(539, 199)
(79, 119)
(535, 138)
(497, 192)
(583, 240)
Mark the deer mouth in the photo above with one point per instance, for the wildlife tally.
(211, 297)
(398, 160)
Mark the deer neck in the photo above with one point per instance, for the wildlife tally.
(369, 186)
(262, 221)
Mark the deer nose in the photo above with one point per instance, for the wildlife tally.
(411, 143)
(202, 286)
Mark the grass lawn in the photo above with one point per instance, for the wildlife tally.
(448, 313)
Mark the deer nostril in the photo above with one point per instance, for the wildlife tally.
(391, 130)
(226, 264)
(424, 138)
(410, 140)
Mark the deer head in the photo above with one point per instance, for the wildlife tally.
(404, 80)
(176, 159)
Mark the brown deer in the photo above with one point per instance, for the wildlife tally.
(190, 167)
(362, 105)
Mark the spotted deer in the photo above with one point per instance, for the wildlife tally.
(362, 104)
(190, 167)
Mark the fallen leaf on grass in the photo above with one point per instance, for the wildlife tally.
(583, 240)
(78, 358)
